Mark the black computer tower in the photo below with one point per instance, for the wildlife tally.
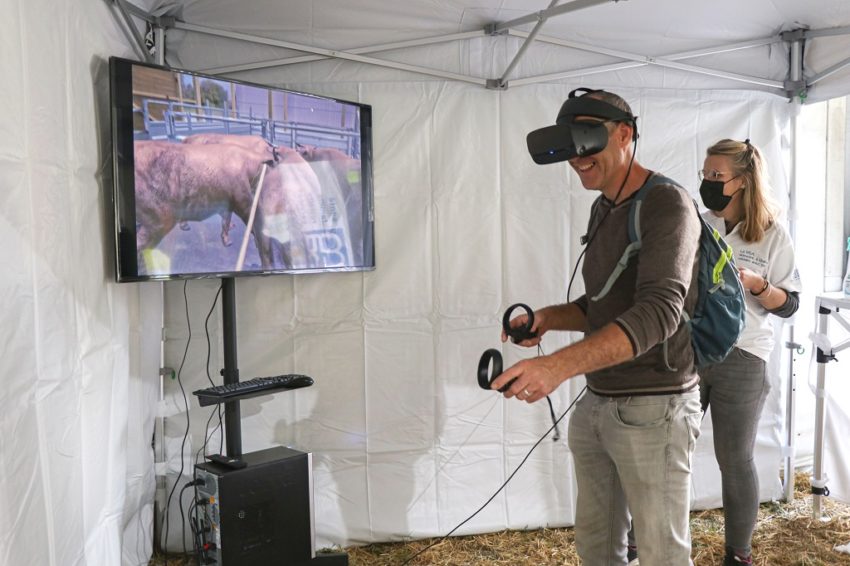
(259, 515)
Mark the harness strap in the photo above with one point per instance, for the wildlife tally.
(630, 251)
(633, 248)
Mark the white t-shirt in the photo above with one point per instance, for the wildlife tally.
(773, 259)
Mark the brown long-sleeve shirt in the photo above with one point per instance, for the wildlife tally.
(648, 297)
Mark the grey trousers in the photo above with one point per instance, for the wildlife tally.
(735, 391)
(634, 453)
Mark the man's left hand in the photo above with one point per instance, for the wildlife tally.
(535, 379)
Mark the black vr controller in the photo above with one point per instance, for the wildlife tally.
(485, 378)
(518, 334)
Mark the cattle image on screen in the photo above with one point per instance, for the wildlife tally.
(218, 178)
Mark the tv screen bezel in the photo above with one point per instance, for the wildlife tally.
(124, 190)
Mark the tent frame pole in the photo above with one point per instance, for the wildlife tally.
(347, 55)
(647, 60)
(553, 10)
(789, 451)
(550, 12)
(831, 70)
(791, 87)
(357, 51)
(503, 81)
(126, 9)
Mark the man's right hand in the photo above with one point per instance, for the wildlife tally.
(538, 327)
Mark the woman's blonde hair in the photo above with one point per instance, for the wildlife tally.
(760, 210)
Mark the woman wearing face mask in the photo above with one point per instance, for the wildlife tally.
(735, 191)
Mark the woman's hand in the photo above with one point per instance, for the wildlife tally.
(750, 280)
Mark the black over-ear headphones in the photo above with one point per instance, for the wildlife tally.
(519, 333)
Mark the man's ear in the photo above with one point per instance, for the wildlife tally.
(624, 133)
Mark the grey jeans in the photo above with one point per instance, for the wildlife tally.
(634, 454)
(735, 391)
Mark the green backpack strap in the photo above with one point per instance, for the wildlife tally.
(726, 257)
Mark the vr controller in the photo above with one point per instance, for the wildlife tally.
(518, 334)
(485, 378)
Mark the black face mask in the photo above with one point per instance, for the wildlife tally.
(712, 194)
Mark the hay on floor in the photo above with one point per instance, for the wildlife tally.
(786, 535)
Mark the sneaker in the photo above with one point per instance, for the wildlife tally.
(632, 556)
(733, 559)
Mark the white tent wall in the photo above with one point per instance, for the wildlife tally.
(76, 480)
(836, 460)
(822, 178)
(404, 442)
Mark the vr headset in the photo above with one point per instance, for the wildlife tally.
(568, 138)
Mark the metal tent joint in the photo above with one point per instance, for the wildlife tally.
(798, 34)
(794, 89)
(165, 22)
(493, 29)
(496, 84)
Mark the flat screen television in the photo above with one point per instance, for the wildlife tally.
(221, 178)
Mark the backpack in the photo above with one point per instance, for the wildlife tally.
(718, 318)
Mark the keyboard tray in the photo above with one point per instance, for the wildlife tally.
(251, 388)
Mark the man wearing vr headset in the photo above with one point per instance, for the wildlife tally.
(633, 433)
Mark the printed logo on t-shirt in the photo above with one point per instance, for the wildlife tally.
(795, 277)
(751, 259)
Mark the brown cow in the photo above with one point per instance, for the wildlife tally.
(291, 205)
(257, 144)
(290, 199)
(191, 182)
(334, 167)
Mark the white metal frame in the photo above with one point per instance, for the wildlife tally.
(794, 87)
(838, 66)
(636, 60)
(828, 307)
(330, 53)
(356, 51)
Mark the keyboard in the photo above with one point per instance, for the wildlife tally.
(251, 388)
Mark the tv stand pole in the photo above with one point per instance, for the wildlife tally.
(230, 373)
(232, 416)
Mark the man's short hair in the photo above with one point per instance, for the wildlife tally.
(618, 102)
(612, 99)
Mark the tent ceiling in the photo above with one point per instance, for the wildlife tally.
(719, 44)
